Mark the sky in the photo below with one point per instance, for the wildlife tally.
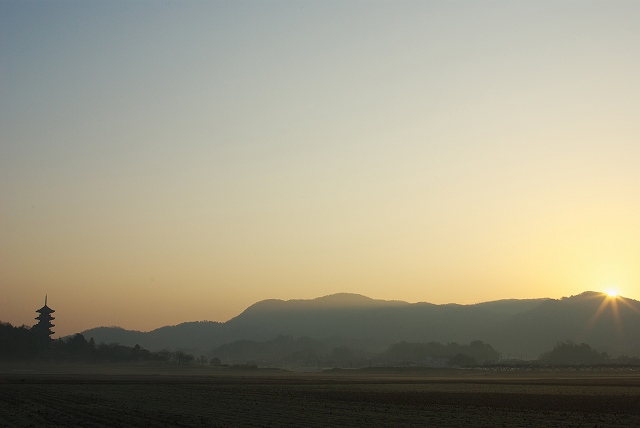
(164, 162)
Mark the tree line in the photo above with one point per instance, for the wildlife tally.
(22, 343)
(285, 351)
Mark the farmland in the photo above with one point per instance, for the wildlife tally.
(164, 395)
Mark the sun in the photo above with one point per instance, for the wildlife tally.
(611, 292)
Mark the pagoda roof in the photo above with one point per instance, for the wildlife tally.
(45, 310)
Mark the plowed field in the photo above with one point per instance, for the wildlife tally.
(217, 399)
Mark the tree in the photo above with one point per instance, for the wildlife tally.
(78, 345)
(182, 357)
(19, 342)
(566, 353)
(462, 360)
(163, 355)
(483, 352)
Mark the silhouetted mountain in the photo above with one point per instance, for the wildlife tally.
(609, 325)
(517, 328)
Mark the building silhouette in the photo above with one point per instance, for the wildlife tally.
(44, 325)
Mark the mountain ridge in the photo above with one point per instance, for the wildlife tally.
(522, 327)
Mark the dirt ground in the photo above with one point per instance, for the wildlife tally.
(149, 396)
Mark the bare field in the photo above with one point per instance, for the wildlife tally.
(157, 395)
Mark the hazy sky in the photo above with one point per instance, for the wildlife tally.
(163, 162)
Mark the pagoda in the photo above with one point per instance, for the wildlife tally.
(44, 326)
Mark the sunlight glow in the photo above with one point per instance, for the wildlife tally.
(610, 300)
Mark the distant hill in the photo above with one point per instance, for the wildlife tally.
(517, 328)
(608, 325)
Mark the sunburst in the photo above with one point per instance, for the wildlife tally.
(611, 298)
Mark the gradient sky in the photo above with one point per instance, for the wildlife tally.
(163, 162)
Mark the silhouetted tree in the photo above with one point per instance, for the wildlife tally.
(135, 352)
(462, 360)
(163, 355)
(182, 357)
(482, 352)
(566, 353)
(20, 342)
(78, 345)
(408, 353)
